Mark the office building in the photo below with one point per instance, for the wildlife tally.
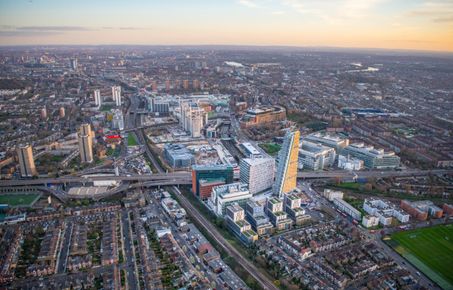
(85, 136)
(97, 98)
(257, 173)
(225, 195)
(315, 156)
(193, 118)
(26, 161)
(204, 178)
(260, 115)
(254, 214)
(330, 140)
(371, 157)
(159, 106)
(276, 214)
(349, 163)
(178, 156)
(286, 179)
(116, 95)
(292, 206)
(235, 220)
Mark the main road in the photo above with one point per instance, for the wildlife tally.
(184, 177)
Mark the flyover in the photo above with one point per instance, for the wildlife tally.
(184, 177)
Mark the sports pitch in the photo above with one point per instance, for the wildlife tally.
(430, 250)
(18, 199)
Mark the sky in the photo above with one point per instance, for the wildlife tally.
(391, 24)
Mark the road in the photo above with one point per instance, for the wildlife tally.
(129, 256)
(64, 253)
(185, 177)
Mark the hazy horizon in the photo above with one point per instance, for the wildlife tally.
(421, 25)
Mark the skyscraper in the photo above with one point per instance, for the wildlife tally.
(26, 162)
(44, 113)
(85, 136)
(74, 63)
(62, 112)
(288, 157)
(193, 118)
(116, 95)
(97, 98)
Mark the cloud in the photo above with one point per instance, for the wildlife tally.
(440, 11)
(278, 12)
(248, 3)
(53, 28)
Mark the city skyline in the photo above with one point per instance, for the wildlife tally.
(414, 25)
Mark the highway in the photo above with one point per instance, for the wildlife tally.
(181, 178)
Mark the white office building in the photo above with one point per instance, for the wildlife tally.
(350, 163)
(257, 173)
(315, 156)
(224, 195)
(372, 157)
(329, 140)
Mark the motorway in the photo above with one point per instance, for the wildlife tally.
(180, 178)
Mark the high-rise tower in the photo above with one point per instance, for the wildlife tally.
(286, 179)
(85, 136)
(26, 162)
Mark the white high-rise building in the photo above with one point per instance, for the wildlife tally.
(193, 118)
(118, 120)
(97, 98)
(116, 95)
(257, 173)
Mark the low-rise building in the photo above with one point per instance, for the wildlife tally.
(372, 157)
(369, 221)
(384, 211)
(347, 208)
(292, 204)
(178, 156)
(421, 209)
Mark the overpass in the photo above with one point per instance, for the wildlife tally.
(180, 178)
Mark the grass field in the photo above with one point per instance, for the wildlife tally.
(131, 141)
(18, 199)
(271, 148)
(430, 250)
